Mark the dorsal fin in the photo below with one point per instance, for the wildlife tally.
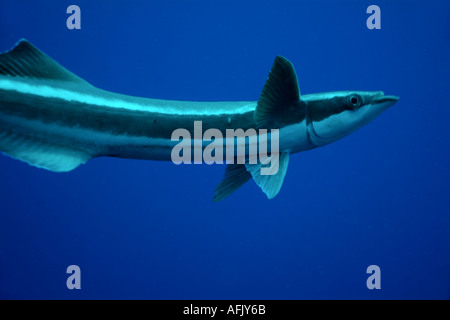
(279, 103)
(25, 60)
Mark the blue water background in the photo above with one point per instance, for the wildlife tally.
(143, 229)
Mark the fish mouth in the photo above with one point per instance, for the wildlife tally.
(383, 98)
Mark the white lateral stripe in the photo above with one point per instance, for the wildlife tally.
(68, 95)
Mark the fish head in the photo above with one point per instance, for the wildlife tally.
(334, 115)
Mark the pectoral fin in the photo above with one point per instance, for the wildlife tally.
(279, 103)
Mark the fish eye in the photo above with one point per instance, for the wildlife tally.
(354, 101)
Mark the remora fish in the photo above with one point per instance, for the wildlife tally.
(52, 119)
